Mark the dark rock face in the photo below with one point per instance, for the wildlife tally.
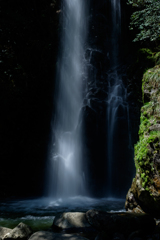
(124, 223)
(95, 107)
(43, 235)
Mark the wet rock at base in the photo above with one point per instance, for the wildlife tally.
(118, 236)
(72, 222)
(139, 199)
(4, 231)
(44, 235)
(123, 222)
(102, 236)
(131, 203)
(21, 232)
(136, 235)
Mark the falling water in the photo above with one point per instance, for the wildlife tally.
(117, 112)
(66, 177)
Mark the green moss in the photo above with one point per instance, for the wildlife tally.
(147, 52)
(151, 84)
(157, 58)
(146, 55)
(149, 56)
(152, 76)
(144, 157)
(145, 123)
(149, 139)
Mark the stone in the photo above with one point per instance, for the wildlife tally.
(145, 187)
(118, 236)
(142, 200)
(4, 231)
(102, 236)
(156, 237)
(131, 204)
(45, 235)
(155, 127)
(147, 96)
(123, 222)
(72, 222)
(21, 232)
(136, 235)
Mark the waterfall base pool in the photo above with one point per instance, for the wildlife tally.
(39, 213)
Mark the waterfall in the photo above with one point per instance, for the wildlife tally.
(118, 132)
(66, 177)
(91, 149)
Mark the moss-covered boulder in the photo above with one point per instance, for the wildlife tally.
(144, 194)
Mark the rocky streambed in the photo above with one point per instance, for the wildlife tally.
(93, 225)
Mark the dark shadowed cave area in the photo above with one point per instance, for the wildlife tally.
(29, 48)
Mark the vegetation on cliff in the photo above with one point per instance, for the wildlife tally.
(146, 19)
(144, 194)
(148, 147)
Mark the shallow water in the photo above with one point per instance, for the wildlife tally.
(39, 213)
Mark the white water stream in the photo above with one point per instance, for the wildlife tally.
(118, 110)
(66, 178)
(65, 174)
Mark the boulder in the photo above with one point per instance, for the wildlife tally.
(4, 231)
(102, 236)
(44, 235)
(131, 203)
(72, 222)
(123, 222)
(136, 235)
(118, 236)
(144, 194)
(155, 127)
(21, 232)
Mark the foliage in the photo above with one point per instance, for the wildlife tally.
(143, 151)
(157, 58)
(146, 19)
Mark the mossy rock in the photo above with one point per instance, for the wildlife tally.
(151, 84)
(146, 185)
